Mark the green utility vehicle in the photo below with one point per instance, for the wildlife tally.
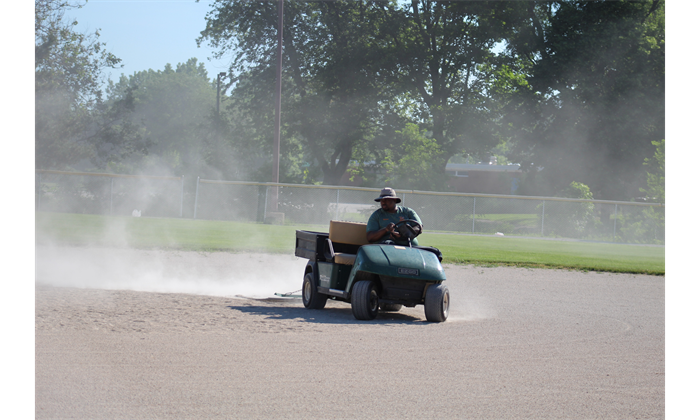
(372, 277)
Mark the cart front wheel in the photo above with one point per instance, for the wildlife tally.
(437, 303)
(364, 300)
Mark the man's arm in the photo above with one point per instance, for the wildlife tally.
(376, 235)
(413, 215)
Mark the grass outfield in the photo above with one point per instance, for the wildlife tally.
(207, 235)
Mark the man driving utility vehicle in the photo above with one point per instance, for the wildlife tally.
(380, 227)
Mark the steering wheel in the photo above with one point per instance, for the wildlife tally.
(409, 229)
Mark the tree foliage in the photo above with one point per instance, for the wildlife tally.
(655, 190)
(352, 68)
(573, 220)
(444, 53)
(648, 225)
(595, 94)
(177, 109)
(72, 125)
(332, 65)
(411, 165)
(572, 90)
(65, 60)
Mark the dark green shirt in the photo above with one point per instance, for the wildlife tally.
(381, 219)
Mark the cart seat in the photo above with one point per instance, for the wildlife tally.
(345, 259)
(346, 238)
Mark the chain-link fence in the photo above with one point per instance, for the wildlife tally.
(598, 220)
(113, 194)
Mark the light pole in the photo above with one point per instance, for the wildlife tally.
(278, 104)
(218, 90)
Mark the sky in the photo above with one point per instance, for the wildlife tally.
(148, 34)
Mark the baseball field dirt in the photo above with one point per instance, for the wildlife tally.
(147, 334)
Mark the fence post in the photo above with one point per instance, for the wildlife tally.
(196, 198)
(337, 203)
(39, 192)
(111, 189)
(474, 215)
(182, 193)
(267, 189)
(542, 233)
(615, 224)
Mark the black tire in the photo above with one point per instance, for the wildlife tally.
(309, 293)
(364, 300)
(437, 303)
(390, 307)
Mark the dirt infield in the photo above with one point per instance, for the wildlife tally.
(124, 334)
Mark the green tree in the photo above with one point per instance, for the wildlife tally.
(412, 165)
(245, 126)
(445, 54)
(177, 109)
(573, 220)
(595, 76)
(649, 224)
(72, 124)
(333, 61)
(65, 60)
(656, 175)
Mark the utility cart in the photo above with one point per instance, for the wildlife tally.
(343, 266)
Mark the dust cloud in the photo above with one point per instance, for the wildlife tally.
(247, 275)
(211, 274)
(110, 264)
(467, 304)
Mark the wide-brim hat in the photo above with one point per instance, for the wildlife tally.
(388, 193)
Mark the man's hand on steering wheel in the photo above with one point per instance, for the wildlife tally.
(409, 225)
(391, 230)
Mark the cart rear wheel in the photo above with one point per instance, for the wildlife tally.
(437, 303)
(364, 300)
(309, 293)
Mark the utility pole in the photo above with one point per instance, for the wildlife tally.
(278, 104)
